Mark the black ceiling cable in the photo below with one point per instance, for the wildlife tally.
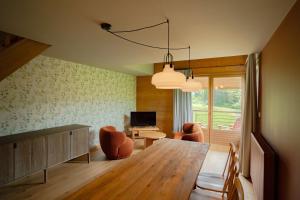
(107, 27)
(143, 28)
(191, 71)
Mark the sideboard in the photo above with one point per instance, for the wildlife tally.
(26, 153)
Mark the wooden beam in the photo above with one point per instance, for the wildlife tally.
(208, 66)
(18, 54)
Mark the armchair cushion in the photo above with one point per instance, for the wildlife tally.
(190, 132)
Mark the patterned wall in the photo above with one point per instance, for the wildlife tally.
(48, 92)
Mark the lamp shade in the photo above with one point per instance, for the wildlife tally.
(191, 85)
(168, 79)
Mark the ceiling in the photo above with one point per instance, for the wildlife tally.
(213, 28)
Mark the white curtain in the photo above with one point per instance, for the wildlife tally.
(182, 107)
(249, 118)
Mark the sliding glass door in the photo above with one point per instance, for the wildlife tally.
(200, 105)
(217, 107)
(226, 110)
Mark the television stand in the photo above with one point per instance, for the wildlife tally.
(135, 131)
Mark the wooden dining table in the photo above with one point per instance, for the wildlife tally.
(167, 170)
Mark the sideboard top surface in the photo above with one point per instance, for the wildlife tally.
(42, 132)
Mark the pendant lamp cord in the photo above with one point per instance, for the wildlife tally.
(169, 56)
(191, 71)
(117, 34)
(168, 40)
(143, 28)
(190, 58)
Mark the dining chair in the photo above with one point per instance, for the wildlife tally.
(232, 149)
(219, 183)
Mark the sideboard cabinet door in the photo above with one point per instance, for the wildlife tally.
(58, 148)
(22, 159)
(79, 142)
(38, 154)
(7, 163)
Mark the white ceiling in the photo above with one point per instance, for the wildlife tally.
(213, 28)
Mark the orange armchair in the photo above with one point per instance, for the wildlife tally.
(115, 144)
(190, 132)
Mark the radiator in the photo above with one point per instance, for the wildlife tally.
(262, 168)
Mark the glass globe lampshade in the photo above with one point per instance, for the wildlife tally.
(191, 85)
(168, 78)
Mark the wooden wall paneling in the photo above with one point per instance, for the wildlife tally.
(79, 142)
(18, 54)
(38, 158)
(22, 158)
(7, 163)
(58, 148)
(225, 70)
(149, 98)
(210, 65)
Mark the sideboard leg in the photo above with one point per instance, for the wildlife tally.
(45, 175)
(88, 157)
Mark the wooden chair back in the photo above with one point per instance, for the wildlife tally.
(232, 172)
(232, 162)
(237, 192)
(232, 149)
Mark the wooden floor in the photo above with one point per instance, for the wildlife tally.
(69, 177)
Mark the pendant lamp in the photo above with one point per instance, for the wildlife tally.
(191, 84)
(168, 78)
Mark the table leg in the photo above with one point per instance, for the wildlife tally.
(148, 142)
(88, 157)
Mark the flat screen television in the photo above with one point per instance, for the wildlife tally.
(143, 119)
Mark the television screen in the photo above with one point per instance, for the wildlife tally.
(143, 119)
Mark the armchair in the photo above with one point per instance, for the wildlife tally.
(190, 132)
(115, 144)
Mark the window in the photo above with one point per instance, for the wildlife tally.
(227, 103)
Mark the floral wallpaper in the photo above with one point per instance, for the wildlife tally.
(49, 92)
